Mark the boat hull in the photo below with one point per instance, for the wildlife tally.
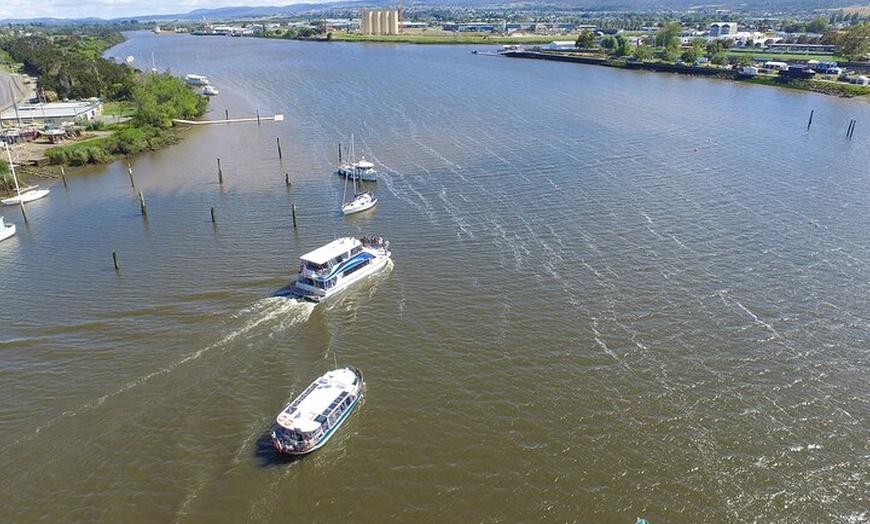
(369, 255)
(360, 203)
(6, 230)
(25, 197)
(311, 296)
(287, 424)
(320, 443)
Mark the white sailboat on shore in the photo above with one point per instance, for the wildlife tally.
(22, 195)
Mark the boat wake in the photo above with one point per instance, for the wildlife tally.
(274, 313)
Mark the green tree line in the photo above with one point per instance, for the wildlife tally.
(68, 63)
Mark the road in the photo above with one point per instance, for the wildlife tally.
(12, 89)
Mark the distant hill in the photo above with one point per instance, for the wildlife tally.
(771, 7)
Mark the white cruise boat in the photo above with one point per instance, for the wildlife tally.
(196, 80)
(307, 423)
(333, 267)
(6, 230)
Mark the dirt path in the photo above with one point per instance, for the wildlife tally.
(30, 153)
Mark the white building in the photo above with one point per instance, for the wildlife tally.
(54, 112)
(380, 22)
(718, 29)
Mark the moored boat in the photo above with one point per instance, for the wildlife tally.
(6, 230)
(305, 424)
(22, 195)
(360, 170)
(335, 266)
(360, 202)
(196, 80)
(210, 91)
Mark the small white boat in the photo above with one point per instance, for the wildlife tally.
(360, 202)
(210, 91)
(196, 80)
(22, 195)
(337, 265)
(6, 230)
(307, 423)
(361, 170)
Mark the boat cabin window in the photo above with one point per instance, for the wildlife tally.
(356, 250)
(319, 419)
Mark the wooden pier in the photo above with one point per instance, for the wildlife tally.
(276, 118)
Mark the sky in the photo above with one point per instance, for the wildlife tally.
(109, 9)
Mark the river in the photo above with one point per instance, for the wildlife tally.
(614, 294)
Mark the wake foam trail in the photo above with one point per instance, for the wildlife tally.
(287, 312)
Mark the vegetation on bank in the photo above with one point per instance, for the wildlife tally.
(68, 63)
(440, 37)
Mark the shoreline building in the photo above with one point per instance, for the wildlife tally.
(53, 112)
(380, 22)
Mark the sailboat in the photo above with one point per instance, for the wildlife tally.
(361, 169)
(6, 230)
(22, 195)
(361, 200)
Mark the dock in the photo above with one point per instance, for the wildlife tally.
(276, 118)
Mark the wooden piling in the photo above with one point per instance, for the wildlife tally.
(220, 173)
(226, 114)
(213, 221)
(280, 155)
(24, 213)
(287, 179)
(811, 119)
(132, 182)
(63, 177)
(142, 205)
(339, 152)
(115, 260)
(258, 117)
(293, 208)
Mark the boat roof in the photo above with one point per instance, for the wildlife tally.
(324, 254)
(302, 413)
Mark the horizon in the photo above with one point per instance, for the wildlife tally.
(119, 9)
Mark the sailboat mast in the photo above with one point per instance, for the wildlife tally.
(12, 168)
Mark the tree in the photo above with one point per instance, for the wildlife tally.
(715, 46)
(162, 97)
(817, 25)
(585, 40)
(693, 53)
(623, 48)
(668, 37)
(855, 41)
(643, 52)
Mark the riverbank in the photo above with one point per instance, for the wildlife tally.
(834, 88)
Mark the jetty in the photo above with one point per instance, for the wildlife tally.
(276, 118)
